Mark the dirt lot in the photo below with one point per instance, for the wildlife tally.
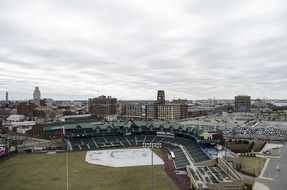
(238, 147)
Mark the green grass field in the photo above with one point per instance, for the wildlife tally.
(48, 172)
(252, 165)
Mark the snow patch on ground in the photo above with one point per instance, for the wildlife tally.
(123, 157)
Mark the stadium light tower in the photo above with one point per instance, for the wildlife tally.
(67, 170)
(152, 145)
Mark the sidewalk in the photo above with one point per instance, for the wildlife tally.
(259, 186)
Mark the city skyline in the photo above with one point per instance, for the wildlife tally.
(169, 98)
(129, 50)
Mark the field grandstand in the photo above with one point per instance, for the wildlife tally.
(180, 139)
(177, 145)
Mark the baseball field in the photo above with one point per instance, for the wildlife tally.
(63, 171)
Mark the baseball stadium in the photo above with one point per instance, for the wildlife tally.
(132, 155)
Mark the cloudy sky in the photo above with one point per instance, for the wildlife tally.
(76, 49)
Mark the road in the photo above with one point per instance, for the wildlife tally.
(273, 178)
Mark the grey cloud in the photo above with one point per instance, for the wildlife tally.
(192, 49)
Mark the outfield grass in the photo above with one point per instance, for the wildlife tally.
(251, 165)
(48, 172)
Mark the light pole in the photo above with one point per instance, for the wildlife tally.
(152, 145)
(152, 170)
(67, 167)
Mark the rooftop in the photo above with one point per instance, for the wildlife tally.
(117, 124)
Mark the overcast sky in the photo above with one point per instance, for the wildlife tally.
(195, 49)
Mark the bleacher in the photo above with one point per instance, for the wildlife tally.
(180, 161)
(131, 139)
(196, 153)
(76, 144)
(140, 139)
(149, 139)
(90, 144)
(113, 141)
(100, 141)
(162, 139)
(171, 144)
(123, 140)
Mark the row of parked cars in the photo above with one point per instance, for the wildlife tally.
(266, 131)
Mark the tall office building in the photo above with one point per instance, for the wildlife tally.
(160, 97)
(37, 94)
(183, 107)
(168, 112)
(26, 108)
(150, 111)
(7, 97)
(242, 103)
(103, 106)
(133, 111)
(163, 111)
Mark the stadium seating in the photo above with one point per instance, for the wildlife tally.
(140, 139)
(112, 141)
(149, 139)
(90, 143)
(123, 140)
(100, 141)
(180, 161)
(171, 144)
(131, 139)
(76, 143)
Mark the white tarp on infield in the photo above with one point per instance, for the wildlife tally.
(123, 157)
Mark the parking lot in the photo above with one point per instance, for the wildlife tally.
(270, 133)
(256, 131)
